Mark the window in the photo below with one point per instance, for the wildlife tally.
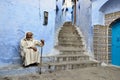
(45, 18)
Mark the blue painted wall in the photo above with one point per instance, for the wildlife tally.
(20, 16)
(102, 7)
(63, 13)
(111, 6)
(97, 15)
(84, 22)
(58, 21)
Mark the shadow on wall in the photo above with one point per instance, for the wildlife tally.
(10, 48)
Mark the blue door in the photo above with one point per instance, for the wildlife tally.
(116, 44)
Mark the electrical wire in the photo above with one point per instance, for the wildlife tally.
(39, 11)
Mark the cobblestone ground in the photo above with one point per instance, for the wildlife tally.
(94, 73)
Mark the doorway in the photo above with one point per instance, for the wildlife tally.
(116, 43)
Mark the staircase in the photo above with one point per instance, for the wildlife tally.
(72, 55)
(72, 50)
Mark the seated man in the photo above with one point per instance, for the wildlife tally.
(29, 52)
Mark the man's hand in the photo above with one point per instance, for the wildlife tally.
(29, 47)
(34, 48)
(42, 41)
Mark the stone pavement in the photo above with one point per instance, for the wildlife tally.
(91, 73)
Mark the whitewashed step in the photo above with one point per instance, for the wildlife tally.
(67, 24)
(71, 52)
(68, 35)
(72, 45)
(70, 38)
(68, 31)
(71, 42)
(68, 28)
(62, 48)
(74, 64)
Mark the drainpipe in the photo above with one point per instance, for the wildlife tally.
(75, 12)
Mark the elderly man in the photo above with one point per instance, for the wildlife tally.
(29, 52)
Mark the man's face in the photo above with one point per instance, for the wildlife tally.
(29, 35)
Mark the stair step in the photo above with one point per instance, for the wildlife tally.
(68, 40)
(68, 35)
(67, 58)
(68, 31)
(68, 28)
(70, 55)
(71, 43)
(67, 24)
(71, 58)
(17, 70)
(75, 66)
(80, 50)
(85, 62)
(78, 42)
(71, 52)
(62, 48)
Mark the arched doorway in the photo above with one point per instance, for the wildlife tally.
(115, 53)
